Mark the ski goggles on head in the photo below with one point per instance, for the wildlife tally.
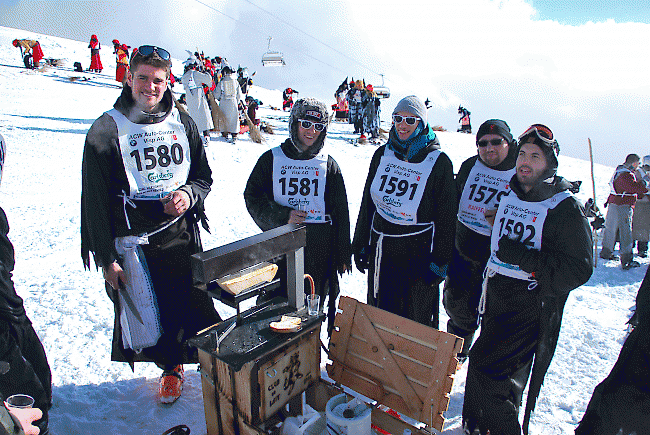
(542, 132)
(493, 142)
(410, 120)
(306, 124)
(148, 50)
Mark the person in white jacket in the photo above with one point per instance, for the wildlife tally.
(229, 95)
(197, 103)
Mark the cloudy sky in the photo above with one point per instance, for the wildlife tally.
(578, 66)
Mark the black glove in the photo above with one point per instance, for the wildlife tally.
(511, 251)
(361, 259)
(435, 274)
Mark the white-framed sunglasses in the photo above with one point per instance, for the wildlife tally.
(307, 124)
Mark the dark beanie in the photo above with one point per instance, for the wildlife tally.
(495, 126)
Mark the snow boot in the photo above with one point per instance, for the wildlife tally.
(171, 384)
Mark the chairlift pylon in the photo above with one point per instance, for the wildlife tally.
(272, 58)
(382, 91)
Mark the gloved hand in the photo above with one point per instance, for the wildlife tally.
(441, 271)
(435, 274)
(511, 251)
(361, 259)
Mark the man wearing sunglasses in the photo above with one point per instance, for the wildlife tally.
(625, 189)
(405, 230)
(541, 249)
(145, 177)
(296, 183)
(481, 183)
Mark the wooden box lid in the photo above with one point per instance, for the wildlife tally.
(398, 362)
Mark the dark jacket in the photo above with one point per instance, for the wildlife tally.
(20, 347)
(471, 244)
(268, 214)
(11, 305)
(102, 220)
(439, 204)
(563, 264)
(104, 180)
(620, 403)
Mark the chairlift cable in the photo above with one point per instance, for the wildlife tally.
(313, 37)
(290, 46)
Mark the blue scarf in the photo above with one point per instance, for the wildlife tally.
(415, 143)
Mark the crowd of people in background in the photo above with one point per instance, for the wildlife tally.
(360, 104)
(419, 226)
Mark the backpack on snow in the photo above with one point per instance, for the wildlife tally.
(78, 67)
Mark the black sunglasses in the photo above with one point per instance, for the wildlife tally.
(306, 124)
(410, 120)
(148, 50)
(493, 142)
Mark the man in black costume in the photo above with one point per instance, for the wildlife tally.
(541, 249)
(145, 177)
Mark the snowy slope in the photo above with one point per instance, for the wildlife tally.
(44, 117)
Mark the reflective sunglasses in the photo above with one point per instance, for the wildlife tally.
(542, 132)
(306, 124)
(410, 120)
(148, 50)
(493, 142)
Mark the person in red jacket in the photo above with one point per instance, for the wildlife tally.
(95, 59)
(625, 189)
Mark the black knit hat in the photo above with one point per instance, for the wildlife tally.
(311, 110)
(495, 126)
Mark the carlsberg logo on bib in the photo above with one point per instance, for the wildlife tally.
(522, 221)
(300, 184)
(483, 190)
(398, 187)
(156, 157)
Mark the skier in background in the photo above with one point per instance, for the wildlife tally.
(30, 51)
(465, 124)
(95, 59)
(287, 98)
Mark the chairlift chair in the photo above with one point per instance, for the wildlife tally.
(272, 58)
(382, 91)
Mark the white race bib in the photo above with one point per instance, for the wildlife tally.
(300, 184)
(483, 190)
(156, 157)
(398, 187)
(522, 221)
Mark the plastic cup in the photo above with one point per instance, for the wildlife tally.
(19, 401)
(313, 304)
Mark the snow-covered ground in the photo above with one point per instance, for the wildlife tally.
(44, 118)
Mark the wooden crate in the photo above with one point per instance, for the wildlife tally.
(399, 363)
(260, 388)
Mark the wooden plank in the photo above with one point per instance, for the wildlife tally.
(342, 324)
(419, 373)
(391, 370)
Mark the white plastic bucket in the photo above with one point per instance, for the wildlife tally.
(358, 423)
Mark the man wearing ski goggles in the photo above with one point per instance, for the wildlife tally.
(541, 133)
(541, 249)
